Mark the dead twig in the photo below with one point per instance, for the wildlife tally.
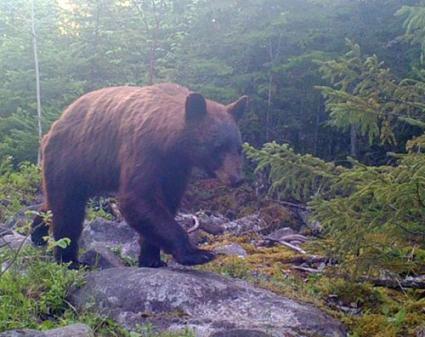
(195, 225)
(291, 204)
(309, 259)
(308, 270)
(291, 246)
(417, 282)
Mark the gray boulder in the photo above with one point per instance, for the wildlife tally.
(4, 230)
(74, 330)
(210, 305)
(100, 257)
(14, 240)
(112, 235)
(22, 218)
(248, 224)
(232, 249)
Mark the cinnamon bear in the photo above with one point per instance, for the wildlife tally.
(140, 143)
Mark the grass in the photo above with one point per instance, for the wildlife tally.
(33, 293)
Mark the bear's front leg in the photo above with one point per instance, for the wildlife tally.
(159, 229)
(150, 255)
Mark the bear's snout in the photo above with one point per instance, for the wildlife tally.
(230, 172)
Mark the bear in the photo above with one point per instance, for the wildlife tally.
(140, 144)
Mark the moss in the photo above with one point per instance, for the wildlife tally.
(382, 312)
(374, 326)
(232, 266)
(276, 216)
(353, 294)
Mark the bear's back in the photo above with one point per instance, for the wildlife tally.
(93, 132)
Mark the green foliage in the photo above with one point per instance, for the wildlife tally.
(367, 95)
(263, 48)
(33, 295)
(19, 135)
(28, 299)
(292, 175)
(379, 220)
(374, 215)
(414, 25)
(18, 188)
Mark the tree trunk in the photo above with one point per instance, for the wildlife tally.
(353, 141)
(316, 132)
(269, 105)
(37, 80)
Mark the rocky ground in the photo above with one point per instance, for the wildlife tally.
(235, 225)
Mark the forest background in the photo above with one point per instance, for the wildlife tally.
(337, 100)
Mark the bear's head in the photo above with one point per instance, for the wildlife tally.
(216, 144)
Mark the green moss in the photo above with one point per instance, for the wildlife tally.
(374, 326)
(363, 295)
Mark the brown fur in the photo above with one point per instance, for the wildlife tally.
(140, 142)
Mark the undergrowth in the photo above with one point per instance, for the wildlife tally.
(33, 295)
(366, 310)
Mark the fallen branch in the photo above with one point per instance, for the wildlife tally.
(291, 204)
(417, 282)
(309, 259)
(308, 270)
(195, 226)
(115, 211)
(294, 237)
(291, 246)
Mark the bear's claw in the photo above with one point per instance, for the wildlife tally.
(198, 256)
(152, 263)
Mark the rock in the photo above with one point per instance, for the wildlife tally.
(14, 240)
(314, 226)
(112, 235)
(248, 224)
(240, 333)
(208, 304)
(100, 257)
(74, 330)
(212, 223)
(4, 230)
(120, 236)
(231, 250)
(208, 222)
(21, 219)
(185, 220)
(198, 237)
(22, 333)
(420, 331)
(277, 235)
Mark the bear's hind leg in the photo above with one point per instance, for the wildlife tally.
(150, 255)
(39, 229)
(68, 217)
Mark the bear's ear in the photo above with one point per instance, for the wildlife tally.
(196, 107)
(237, 109)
